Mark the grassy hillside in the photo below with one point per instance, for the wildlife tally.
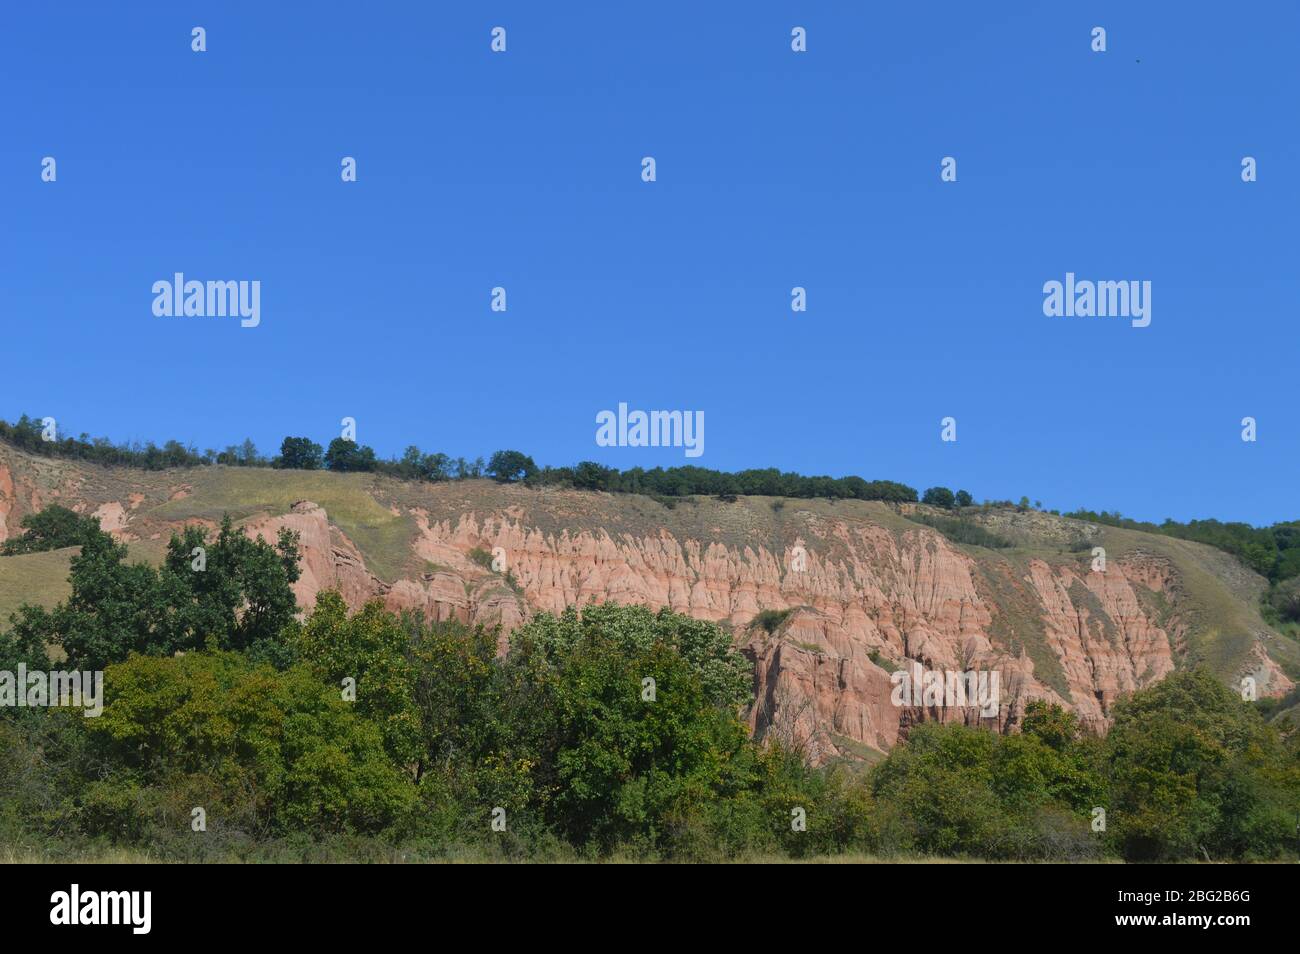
(39, 578)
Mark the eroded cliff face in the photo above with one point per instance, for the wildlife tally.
(857, 592)
(823, 674)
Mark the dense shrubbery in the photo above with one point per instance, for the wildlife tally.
(608, 730)
(963, 531)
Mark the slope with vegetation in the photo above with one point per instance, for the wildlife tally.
(608, 732)
(942, 581)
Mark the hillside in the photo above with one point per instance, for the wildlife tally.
(871, 588)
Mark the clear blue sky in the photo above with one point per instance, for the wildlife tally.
(775, 169)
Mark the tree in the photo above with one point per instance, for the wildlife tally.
(53, 528)
(369, 648)
(346, 455)
(238, 596)
(248, 456)
(1284, 599)
(300, 453)
(231, 593)
(280, 751)
(508, 466)
(725, 674)
(1196, 772)
(638, 712)
(938, 497)
(963, 499)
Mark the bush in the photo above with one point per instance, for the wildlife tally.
(271, 751)
(960, 530)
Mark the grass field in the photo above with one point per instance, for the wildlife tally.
(38, 578)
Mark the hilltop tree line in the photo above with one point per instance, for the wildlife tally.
(505, 466)
(606, 731)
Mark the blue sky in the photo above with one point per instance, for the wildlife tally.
(775, 169)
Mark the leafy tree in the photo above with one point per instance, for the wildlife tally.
(1284, 599)
(1195, 772)
(963, 499)
(237, 595)
(240, 598)
(300, 453)
(508, 466)
(346, 455)
(624, 765)
(618, 756)
(370, 648)
(725, 674)
(53, 528)
(278, 750)
(938, 497)
(941, 782)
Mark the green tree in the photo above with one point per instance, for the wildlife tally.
(371, 649)
(233, 593)
(277, 750)
(300, 453)
(346, 455)
(938, 497)
(725, 674)
(1195, 772)
(637, 719)
(508, 466)
(51, 529)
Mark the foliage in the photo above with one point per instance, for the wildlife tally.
(414, 464)
(347, 455)
(508, 466)
(236, 595)
(724, 673)
(299, 453)
(267, 750)
(1194, 771)
(53, 528)
(369, 648)
(939, 497)
(770, 620)
(961, 530)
